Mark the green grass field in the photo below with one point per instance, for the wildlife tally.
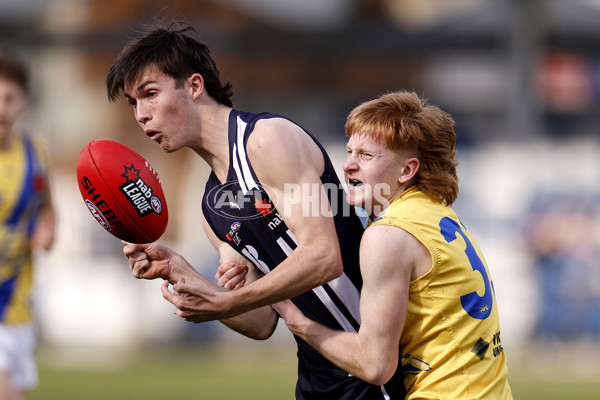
(181, 374)
(197, 373)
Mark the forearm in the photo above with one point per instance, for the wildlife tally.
(179, 268)
(256, 324)
(362, 358)
(302, 271)
(43, 236)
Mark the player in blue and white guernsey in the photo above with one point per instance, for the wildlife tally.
(254, 227)
(273, 207)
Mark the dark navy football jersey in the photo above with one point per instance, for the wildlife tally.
(240, 213)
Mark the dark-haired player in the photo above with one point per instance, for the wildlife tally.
(273, 204)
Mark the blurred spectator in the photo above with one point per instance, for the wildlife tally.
(565, 241)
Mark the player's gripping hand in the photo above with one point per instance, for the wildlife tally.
(293, 317)
(150, 260)
(196, 300)
(231, 275)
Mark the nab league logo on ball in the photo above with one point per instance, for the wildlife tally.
(139, 193)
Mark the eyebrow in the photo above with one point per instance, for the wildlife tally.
(139, 88)
(359, 148)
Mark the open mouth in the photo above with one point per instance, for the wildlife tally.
(354, 182)
(152, 134)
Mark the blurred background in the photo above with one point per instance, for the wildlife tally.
(520, 77)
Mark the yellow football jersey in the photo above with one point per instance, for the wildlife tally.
(450, 344)
(23, 191)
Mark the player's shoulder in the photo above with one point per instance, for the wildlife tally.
(388, 235)
(37, 143)
(278, 148)
(275, 130)
(386, 248)
(395, 250)
(280, 139)
(383, 232)
(33, 138)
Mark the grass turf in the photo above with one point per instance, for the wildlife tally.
(180, 374)
(199, 373)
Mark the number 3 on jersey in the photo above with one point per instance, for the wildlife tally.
(478, 307)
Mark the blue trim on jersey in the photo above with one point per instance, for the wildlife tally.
(7, 289)
(27, 190)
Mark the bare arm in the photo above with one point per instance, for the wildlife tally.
(388, 259)
(316, 259)
(259, 323)
(44, 233)
(289, 164)
(45, 228)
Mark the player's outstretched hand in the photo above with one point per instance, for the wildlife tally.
(150, 260)
(231, 275)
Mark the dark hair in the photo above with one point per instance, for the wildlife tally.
(402, 121)
(13, 68)
(175, 52)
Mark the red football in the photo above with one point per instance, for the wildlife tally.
(122, 191)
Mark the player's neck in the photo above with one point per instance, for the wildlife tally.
(214, 143)
(5, 142)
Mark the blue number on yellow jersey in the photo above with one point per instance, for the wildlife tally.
(450, 343)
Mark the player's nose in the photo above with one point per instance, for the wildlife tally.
(350, 164)
(142, 115)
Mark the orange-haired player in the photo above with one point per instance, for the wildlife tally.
(427, 291)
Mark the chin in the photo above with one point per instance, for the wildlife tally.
(165, 146)
(351, 200)
(355, 201)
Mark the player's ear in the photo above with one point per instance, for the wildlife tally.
(196, 82)
(409, 169)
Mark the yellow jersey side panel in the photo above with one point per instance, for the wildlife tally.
(451, 338)
(12, 173)
(23, 190)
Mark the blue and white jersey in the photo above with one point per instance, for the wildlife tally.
(240, 213)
